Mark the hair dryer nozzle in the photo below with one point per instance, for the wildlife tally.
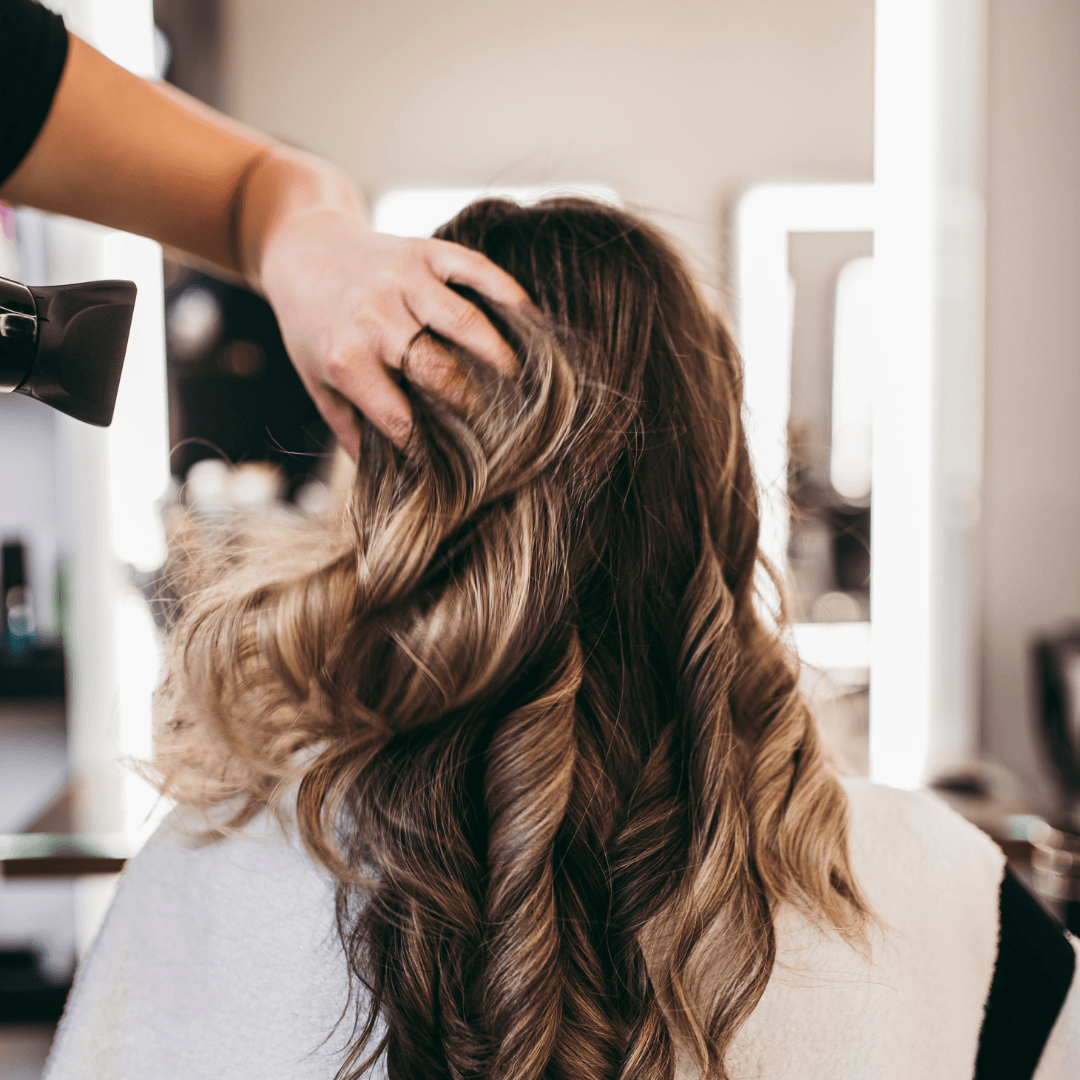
(65, 344)
(82, 339)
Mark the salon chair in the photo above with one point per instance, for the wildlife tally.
(1056, 854)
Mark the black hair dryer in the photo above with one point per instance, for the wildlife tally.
(65, 344)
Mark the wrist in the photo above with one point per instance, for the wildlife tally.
(280, 188)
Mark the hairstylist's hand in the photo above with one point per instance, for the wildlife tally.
(351, 302)
(292, 225)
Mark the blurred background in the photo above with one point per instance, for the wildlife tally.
(882, 198)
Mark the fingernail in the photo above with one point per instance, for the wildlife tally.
(530, 307)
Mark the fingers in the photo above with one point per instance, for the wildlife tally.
(455, 318)
(353, 377)
(425, 362)
(340, 419)
(452, 262)
(383, 403)
(347, 338)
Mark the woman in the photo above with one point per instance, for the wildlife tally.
(510, 771)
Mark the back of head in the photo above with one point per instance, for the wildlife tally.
(525, 684)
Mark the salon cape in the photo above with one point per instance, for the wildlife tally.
(223, 961)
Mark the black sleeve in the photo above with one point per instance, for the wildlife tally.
(33, 48)
(1032, 977)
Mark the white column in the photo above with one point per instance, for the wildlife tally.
(928, 117)
(114, 482)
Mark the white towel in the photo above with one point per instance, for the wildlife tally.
(223, 961)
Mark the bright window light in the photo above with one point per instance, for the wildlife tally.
(138, 652)
(124, 31)
(138, 445)
(419, 212)
(139, 435)
(852, 381)
(833, 646)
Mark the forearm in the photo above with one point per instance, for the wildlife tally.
(279, 187)
(351, 304)
(143, 157)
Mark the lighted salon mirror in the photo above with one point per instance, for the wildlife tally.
(833, 440)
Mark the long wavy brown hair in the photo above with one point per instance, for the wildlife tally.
(538, 728)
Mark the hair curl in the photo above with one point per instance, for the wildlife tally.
(557, 761)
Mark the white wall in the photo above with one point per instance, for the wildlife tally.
(1032, 476)
(677, 105)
